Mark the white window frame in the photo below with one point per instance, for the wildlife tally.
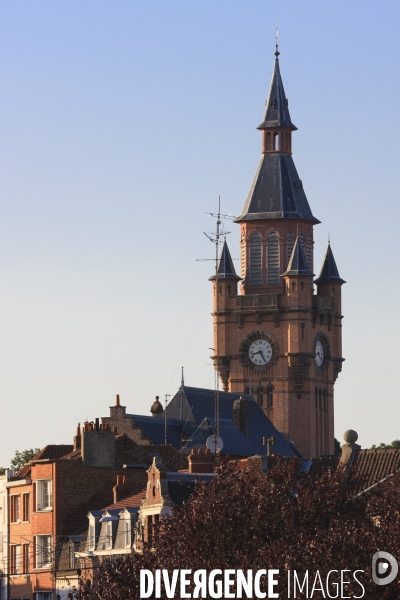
(43, 595)
(40, 564)
(41, 497)
(92, 536)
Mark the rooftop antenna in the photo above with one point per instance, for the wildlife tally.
(215, 238)
(165, 418)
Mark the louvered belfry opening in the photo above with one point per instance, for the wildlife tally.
(255, 259)
(273, 277)
(309, 253)
(289, 246)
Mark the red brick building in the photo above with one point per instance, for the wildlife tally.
(50, 497)
(277, 338)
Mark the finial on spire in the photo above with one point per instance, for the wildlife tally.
(277, 53)
(183, 380)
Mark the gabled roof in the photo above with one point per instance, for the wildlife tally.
(226, 270)
(192, 405)
(276, 192)
(329, 272)
(276, 113)
(297, 263)
(53, 451)
(131, 501)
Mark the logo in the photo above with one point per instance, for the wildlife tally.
(384, 568)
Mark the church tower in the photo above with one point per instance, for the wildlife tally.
(275, 337)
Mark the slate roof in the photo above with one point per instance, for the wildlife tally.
(297, 263)
(276, 113)
(329, 271)
(192, 405)
(226, 270)
(235, 443)
(153, 428)
(276, 191)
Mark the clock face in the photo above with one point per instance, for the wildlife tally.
(260, 352)
(319, 353)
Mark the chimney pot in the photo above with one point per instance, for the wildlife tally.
(117, 400)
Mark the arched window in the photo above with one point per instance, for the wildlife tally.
(289, 245)
(270, 397)
(260, 396)
(309, 252)
(269, 141)
(273, 259)
(255, 259)
(276, 141)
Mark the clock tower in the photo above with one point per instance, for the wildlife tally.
(276, 337)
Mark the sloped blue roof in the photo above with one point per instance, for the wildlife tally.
(297, 263)
(192, 405)
(234, 442)
(329, 271)
(276, 192)
(226, 270)
(153, 428)
(276, 112)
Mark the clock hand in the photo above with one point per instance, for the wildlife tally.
(262, 356)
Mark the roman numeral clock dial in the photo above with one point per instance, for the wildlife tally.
(260, 352)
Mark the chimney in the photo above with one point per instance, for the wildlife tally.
(77, 438)
(240, 408)
(350, 449)
(121, 489)
(117, 400)
(98, 447)
(200, 461)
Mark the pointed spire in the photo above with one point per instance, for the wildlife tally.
(276, 113)
(226, 270)
(297, 263)
(329, 272)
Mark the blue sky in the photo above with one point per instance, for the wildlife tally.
(121, 123)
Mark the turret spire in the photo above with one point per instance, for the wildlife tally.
(329, 271)
(276, 112)
(226, 270)
(297, 263)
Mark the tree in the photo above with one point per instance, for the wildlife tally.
(21, 458)
(394, 445)
(243, 520)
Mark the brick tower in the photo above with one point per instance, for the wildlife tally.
(277, 338)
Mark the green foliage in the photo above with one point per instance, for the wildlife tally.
(243, 520)
(2, 471)
(394, 445)
(337, 447)
(21, 458)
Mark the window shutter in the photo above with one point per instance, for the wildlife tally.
(273, 259)
(255, 259)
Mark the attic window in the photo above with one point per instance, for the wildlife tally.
(286, 102)
(274, 103)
